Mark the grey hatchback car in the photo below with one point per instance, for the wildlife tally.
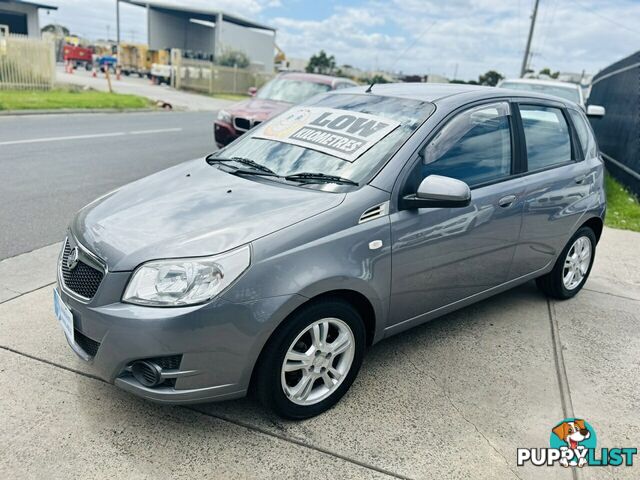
(271, 265)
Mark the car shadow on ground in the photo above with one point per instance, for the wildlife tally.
(482, 370)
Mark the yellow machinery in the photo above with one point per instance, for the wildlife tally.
(161, 57)
(133, 58)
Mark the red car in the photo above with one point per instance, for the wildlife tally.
(273, 98)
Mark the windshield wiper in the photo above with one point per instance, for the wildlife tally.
(258, 169)
(320, 177)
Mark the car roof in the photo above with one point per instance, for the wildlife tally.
(537, 81)
(315, 78)
(454, 93)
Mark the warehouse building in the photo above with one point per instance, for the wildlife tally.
(207, 32)
(22, 17)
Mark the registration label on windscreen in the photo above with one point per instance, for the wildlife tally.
(341, 133)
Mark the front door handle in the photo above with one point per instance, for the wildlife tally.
(506, 202)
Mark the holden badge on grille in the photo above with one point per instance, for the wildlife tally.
(72, 259)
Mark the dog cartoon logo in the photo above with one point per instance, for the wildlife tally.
(572, 443)
(575, 435)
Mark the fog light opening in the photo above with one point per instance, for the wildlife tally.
(147, 373)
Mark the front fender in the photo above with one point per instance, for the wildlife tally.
(303, 260)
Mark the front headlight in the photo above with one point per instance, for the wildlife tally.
(224, 116)
(185, 281)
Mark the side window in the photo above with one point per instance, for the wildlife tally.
(546, 135)
(475, 146)
(587, 142)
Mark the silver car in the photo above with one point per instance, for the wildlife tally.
(565, 90)
(271, 265)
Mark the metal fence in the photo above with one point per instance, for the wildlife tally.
(207, 77)
(25, 63)
(617, 88)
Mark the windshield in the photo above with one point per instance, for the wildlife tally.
(292, 91)
(566, 93)
(288, 159)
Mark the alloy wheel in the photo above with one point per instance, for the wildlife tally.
(317, 361)
(576, 264)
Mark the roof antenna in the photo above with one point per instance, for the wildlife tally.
(368, 90)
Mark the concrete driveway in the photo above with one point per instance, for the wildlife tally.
(178, 99)
(450, 399)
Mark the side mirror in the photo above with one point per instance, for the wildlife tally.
(596, 111)
(437, 191)
(252, 91)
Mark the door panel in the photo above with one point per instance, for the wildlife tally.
(442, 255)
(554, 202)
(556, 198)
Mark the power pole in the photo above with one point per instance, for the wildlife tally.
(118, 22)
(525, 60)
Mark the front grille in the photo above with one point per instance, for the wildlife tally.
(83, 279)
(168, 363)
(88, 345)
(242, 123)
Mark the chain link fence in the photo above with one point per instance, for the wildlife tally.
(617, 88)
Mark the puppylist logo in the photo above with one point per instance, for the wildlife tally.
(573, 444)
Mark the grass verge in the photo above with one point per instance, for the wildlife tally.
(623, 208)
(65, 98)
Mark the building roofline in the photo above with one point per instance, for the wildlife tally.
(200, 11)
(32, 4)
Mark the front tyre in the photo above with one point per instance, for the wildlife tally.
(311, 362)
(572, 267)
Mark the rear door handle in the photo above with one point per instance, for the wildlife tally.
(580, 180)
(506, 202)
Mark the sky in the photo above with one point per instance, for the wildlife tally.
(464, 38)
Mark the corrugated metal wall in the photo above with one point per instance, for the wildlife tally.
(617, 88)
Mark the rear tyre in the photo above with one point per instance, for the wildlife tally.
(572, 268)
(311, 362)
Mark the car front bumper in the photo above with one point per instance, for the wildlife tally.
(218, 342)
(224, 134)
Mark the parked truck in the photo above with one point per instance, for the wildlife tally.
(134, 58)
(160, 70)
(77, 55)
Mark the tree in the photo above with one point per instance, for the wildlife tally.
(321, 63)
(55, 28)
(547, 71)
(491, 78)
(233, 58)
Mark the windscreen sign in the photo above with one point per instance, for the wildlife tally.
(341, 133)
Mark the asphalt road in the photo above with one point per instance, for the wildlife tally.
(52, 165)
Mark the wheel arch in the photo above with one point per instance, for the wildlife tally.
(596, 224)
(356, 299)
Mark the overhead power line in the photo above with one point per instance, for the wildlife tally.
(610, 20)
(411, 45)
